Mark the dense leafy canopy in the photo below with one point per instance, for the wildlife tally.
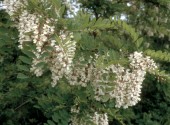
(98, 29)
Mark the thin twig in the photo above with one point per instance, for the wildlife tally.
(21, 105)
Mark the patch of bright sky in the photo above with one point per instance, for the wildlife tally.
(128, 4)
(73, 6)
(2, 5)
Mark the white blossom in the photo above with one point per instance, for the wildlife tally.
(75, 109)
(14, 5)
(62, 52)
(128, 82)
(125, 88)
(138, 61)
(100, 119)
(28, 23)
(38, 70)
(58, 64)
(59, 61)
(96, 118)
(62, 56)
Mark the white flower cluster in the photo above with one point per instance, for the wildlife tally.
(80, 74)
(138, 61)
(62, 56)
(38, 71)
(97, 119)
(125, 88)
(83, 73)
(75, 121)
(40, 31)
(30, 29)
(75, 109)
(100, 119)
(128, 82)
(28, 24)
(14, 5)
(60, 59)
(58, 64)
(41, 35)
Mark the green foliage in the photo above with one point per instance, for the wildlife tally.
(149, 19)
(159, 55)
(26, 99)
(17, 97)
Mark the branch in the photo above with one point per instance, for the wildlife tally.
(22, 105)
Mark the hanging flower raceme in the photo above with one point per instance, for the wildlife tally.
(14, 6)
(55, 48)
(128, 82)
(138, 61)
(62, 56)
(38, 71)
(115, 82)
(96, 119)
(28, 28)
(100, 119)
(81, 73)
(40, 31)
(128, 86)
(60, 59)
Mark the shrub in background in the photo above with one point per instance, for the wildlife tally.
(91, 68)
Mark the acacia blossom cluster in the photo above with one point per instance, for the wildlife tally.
(128, 82)
(40, 31)
(127, 87)
(28, 23)
(61, 58)
(83, 73)
(97, 119)
(38, 71)
(100, 119)
(80, 74)
(14, 5)
(115, 81)
(138, 61)
(30, 29)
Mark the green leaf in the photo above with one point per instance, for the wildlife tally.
(55, 117)
(23, 67)
(77, 36)
(139, 42)
(92, 22)
(56, 3)
(50, 122)
(25, 59)
(29, 53)
(62, 10)
(64, 123)
(98, 22)
(45, 54)
(22, 76)
(41, 64)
